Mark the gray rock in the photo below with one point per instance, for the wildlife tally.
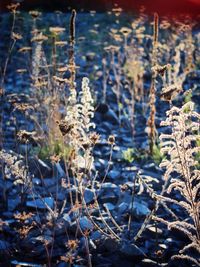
(28, 264)
(102, 108)
(61, 172)
(88, 195)
(109, 193)
(111, 245)
(100, 164)
(48, 182)
(13, 203)
(36, 181)
(62, 264)
(41, 203)
(67, 218)
(109, 206)
(149, 244)
(85, 224)
(139, 208)
(8, 214)
(151, 167)
(131, 251)
(117, 152)
(109, 186)
(133, 168)
(130, 184)
(60, 196)
(143, 144)
(96, 235)
(46, 236)
(154, 230)
(163, 246)
(149, 262)
(4, 245)
(40, 168)
(156, 173)
(114, 175)
(109, 196)
(8, 184)
(111, 116)
(123, 207)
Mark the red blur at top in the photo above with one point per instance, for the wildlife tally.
(163, 7)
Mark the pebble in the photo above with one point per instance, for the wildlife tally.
(41, 203)
(85, 224)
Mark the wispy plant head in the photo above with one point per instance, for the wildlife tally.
(125, 31)
(13, 7)
(182, 174)
(111, 140)
(16, 36)
(179, 145)
(40, 37)
(170, 92)
(56, 30)
(35, 14)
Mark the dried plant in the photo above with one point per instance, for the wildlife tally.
(182, 174)
(14, 168)
(62, 114)
(49, 87)
(13, 38)
(152, 93)
(77, 125)
(72, 65)
(113, 52)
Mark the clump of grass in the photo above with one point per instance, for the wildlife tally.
(132, 154)
(128, 155)
(157, 156)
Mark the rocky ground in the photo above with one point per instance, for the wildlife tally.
(36, 219)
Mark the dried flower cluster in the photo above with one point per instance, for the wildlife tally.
(77, 125)
(14, 167)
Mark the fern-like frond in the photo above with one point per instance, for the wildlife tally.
(186, 257)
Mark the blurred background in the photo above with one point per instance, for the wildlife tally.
(173, 7)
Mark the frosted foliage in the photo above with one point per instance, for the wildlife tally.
(180, 144)
(15, 168)
(181, 162)
(86, 108)
(36, 60)
(80, 112)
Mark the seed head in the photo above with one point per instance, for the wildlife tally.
(111, 140)
(94, 138)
